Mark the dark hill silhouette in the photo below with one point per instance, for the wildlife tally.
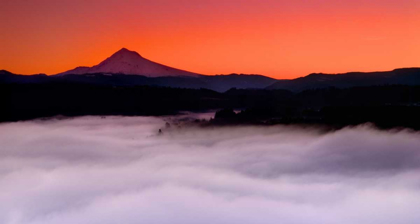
(218, 83)
(403, 76)
(8, 77)
(222, 83)
(385, 106)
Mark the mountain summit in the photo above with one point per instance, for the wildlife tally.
(129, 62)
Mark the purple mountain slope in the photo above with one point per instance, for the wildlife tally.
(131, 63)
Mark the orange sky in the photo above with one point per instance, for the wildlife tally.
(277, 38)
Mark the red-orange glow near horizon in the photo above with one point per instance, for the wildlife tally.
(277, 38)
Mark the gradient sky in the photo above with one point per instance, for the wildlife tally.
(277, 38)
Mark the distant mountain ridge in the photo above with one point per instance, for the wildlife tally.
(402, 76)
(129, 62)
(219, 83)
(222, 83)
(129, 68)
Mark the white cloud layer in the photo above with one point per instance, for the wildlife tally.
(118, 170)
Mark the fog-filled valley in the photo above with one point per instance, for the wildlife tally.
(122, 170)
(210, 112)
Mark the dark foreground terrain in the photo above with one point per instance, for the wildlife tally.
(384, 106)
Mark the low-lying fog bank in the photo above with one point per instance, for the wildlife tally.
(120, 170)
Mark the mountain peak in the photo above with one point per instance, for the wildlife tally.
(5, 72)
(129, 62)
(125, 51)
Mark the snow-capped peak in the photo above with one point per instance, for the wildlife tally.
(129, 62)
(125, 51)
